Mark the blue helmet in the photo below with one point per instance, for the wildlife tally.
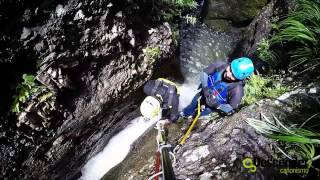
(242, 68)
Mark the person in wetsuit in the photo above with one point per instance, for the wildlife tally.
(163, 97)
(222, 87)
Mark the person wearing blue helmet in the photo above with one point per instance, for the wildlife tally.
(222, 87)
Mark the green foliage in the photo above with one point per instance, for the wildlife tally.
(258, 87)
(276, 130)
(307, 151)
(25, 89)
(152, 53)
(191, 19)
(175, 36)
(301, 28)
(174, 8)
(265, 53)
(297, 138)
(29, 90)
(182, 4)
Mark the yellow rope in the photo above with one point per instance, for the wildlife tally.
(192, 125)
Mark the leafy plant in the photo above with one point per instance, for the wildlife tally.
(29, 90)
(265, 53)
(182, 4)
(278, 131)
(175, 36)
(302, 29)
(174, 8)
(191, 19)
(302, 139)
(152, 53)
(25, 89)
(258, 87)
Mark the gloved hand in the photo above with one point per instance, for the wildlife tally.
(226, 108)
(212, 101)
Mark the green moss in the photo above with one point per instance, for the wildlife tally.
(258, 87)
(152, 52)
(253, 7)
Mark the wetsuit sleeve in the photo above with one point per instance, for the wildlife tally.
(214, 67)
(147, 88)
(204, 79)
(235, 96)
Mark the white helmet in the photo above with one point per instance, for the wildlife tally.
(150, 107)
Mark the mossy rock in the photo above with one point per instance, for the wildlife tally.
(239, 12)
(219, 25)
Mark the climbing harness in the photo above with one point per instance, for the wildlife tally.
(190, 128)
(163, 155)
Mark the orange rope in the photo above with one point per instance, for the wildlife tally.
(157, 165)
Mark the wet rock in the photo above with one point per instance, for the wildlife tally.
(26, 16)
(195, 155)
(60, 11)
(79, 15)
(119, 14)
(219, 155)
(205, 176)
(222, 15)
(313, 90)
(25, 33)
(82, 52)
(260, 27)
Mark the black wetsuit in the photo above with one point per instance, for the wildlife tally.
(169, 95)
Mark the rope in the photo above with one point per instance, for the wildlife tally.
(173, 157)
(192, 125)
(155, 175)
(163, 151)
(157, 164)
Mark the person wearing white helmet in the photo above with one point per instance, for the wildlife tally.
(162, 100)
(222, 87)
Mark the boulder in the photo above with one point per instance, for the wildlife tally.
(223, 15)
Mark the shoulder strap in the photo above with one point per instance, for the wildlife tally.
(171, 83)
(156, 85)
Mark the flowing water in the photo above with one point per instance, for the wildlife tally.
(116, 150)
(200, 47)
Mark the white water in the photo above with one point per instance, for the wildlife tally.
(116, 150)
(119, 145)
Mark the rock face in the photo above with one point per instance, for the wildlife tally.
(215, 149)
(90, 55)
(261, 26)
(223, 15)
